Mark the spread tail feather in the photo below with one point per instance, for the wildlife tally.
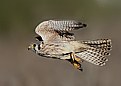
(104, 44)
(97, 52)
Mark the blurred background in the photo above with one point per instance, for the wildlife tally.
(20, 67)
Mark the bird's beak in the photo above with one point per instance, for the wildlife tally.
(30, 46)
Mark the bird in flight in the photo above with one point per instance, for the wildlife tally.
(55, 40)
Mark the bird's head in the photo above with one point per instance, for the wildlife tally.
(35, 47)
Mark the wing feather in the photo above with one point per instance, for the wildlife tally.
(55, 30)
(65, 25)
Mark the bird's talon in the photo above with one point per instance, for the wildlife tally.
(81, 69)
(77, 66)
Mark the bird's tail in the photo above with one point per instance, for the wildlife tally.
(97, 51)
(103, 44)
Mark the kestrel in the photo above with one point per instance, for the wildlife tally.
(55, 41)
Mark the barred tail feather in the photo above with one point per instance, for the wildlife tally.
(97, 51)
(104, 44)
(94, 56)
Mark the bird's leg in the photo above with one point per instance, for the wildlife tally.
(72, 55)
(75, 60)
(75, 57)
(78, 59)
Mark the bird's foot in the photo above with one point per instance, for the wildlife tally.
(76, 61)
(77, 66)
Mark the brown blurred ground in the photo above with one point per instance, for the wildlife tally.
(20, 67)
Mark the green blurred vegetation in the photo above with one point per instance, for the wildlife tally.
(21, 16)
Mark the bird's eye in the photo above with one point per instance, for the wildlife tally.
(34, 45)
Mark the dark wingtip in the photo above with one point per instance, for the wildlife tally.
(84, 25)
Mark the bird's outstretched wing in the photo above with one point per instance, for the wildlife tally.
(55, 30)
